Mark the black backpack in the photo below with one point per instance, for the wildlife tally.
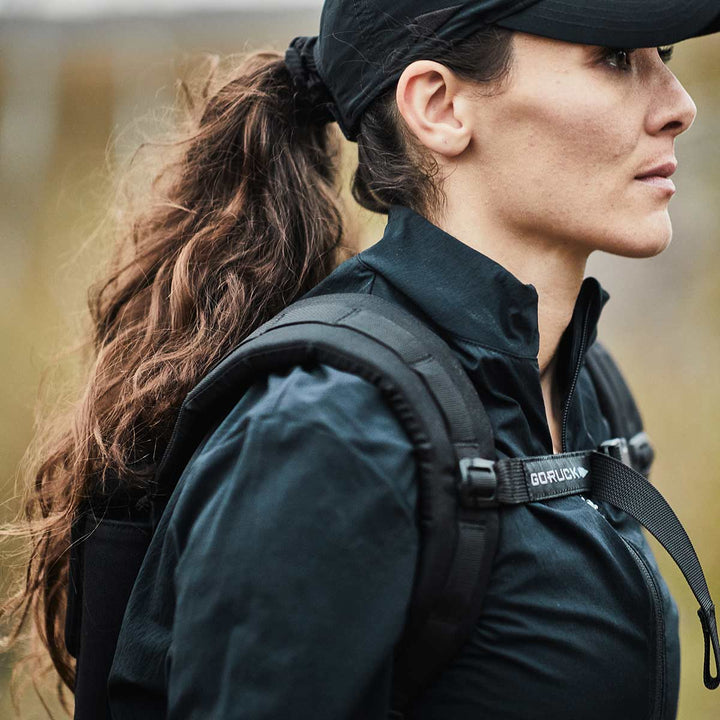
(461, 483)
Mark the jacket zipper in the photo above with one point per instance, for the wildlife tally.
(656, 598)
(578, 365)
(656, 602)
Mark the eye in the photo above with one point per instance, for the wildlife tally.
(618, 58)
(666, 53)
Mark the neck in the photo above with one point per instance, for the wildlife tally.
(555, 269)
(552, 267)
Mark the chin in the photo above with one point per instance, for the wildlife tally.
(645, 241)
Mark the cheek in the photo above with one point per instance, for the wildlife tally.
(563, 163)
(584, 142)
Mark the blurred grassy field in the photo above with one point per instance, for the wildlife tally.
(65, 91)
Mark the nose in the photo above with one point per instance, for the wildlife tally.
(673, 110)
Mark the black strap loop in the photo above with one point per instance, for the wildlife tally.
(710, 635)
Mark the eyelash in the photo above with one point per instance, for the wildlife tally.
(665, 54)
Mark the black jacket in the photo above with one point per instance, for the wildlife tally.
(277, 582)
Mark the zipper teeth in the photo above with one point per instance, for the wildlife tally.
(659, 629)
(566, 411)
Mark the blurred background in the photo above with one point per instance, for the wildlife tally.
(82, 82)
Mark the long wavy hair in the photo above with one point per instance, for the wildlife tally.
(243, 216)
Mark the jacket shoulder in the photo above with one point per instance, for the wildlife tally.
(302, 419)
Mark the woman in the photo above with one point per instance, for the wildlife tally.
(507, 141)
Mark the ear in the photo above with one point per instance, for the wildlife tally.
(429, 98)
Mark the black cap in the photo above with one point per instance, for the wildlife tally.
(361, 45)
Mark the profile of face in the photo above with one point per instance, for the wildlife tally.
(554, 157)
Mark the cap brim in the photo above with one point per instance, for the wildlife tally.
(618, 23)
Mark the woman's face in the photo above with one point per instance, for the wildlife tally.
(557, 154)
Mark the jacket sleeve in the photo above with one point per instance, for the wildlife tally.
(297, 546)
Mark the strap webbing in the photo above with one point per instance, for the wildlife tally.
(621, 486)
(423, 653)
(525, 480)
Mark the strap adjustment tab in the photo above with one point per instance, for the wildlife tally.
(617, 448)
(478, 483)
(641, 452)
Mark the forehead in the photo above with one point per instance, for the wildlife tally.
(538, 45)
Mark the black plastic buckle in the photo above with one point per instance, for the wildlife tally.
(617, 448)
(478, 483)
(642, 453)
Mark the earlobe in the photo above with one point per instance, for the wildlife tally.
(428, 99)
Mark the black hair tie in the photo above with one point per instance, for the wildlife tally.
(313, 101)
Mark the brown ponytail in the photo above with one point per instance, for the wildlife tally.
(243, 217)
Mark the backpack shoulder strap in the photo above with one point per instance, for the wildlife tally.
(619, 407)
(431, 395)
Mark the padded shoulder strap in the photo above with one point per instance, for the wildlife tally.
(430, 393)
(363, 334)
(619, 407)
(616, 400)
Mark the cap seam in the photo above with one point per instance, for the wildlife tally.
(358, 18)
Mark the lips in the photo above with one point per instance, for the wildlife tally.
(664, 171)
(658, 177)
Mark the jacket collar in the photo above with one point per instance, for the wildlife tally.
(470, 295)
